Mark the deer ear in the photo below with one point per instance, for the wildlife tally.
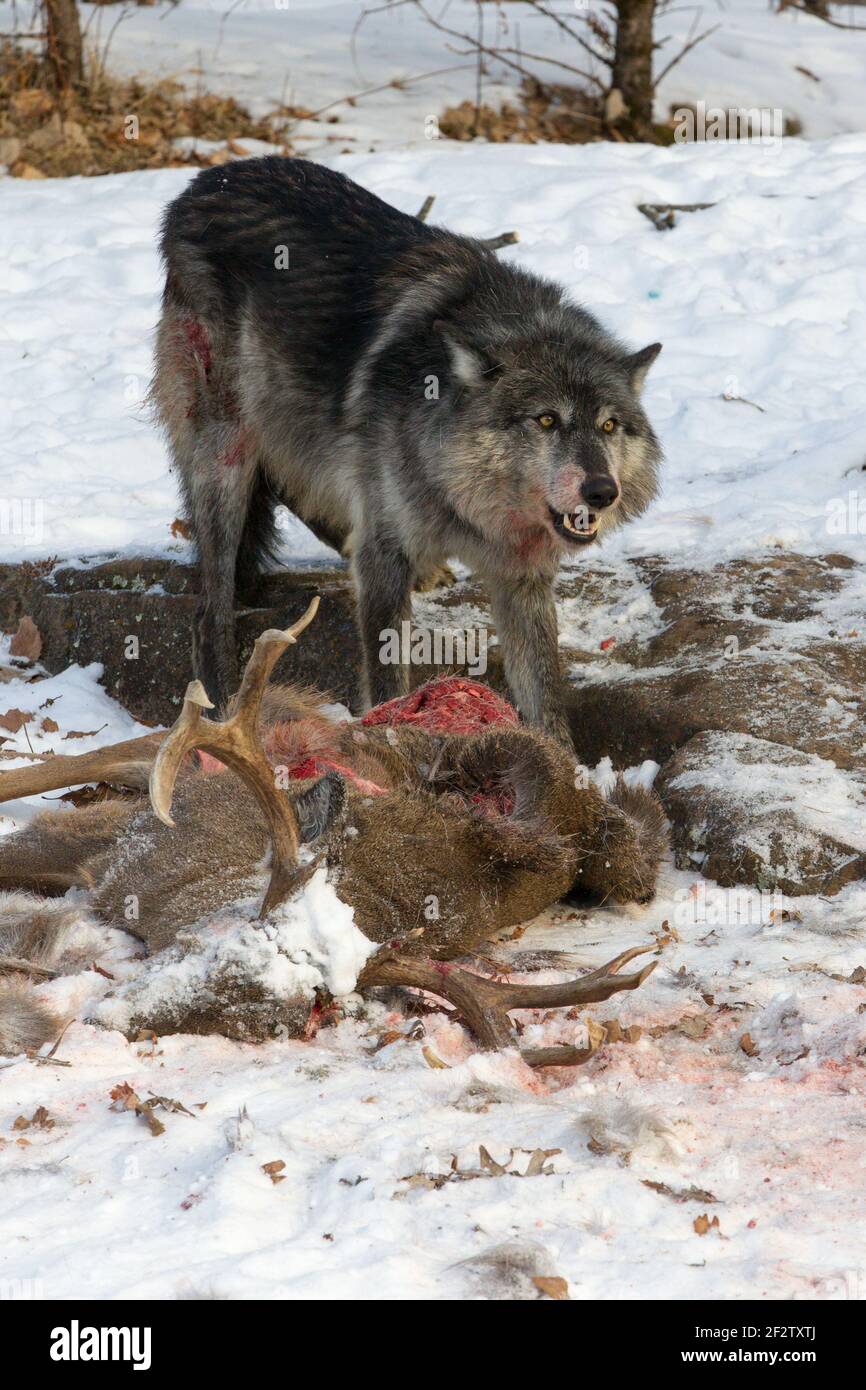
(471, 364)
(320, 806)
(639, 363)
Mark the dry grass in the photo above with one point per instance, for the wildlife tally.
(113, 125)
(563, 114)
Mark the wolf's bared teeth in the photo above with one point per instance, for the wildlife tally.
(577, 522)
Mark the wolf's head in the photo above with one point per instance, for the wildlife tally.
(549, 445)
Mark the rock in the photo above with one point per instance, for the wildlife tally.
(135, 618)
(10, 149)
(748, 811)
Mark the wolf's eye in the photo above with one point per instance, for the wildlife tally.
(609, 426)
(546, 421)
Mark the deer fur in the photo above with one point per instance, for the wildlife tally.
(409, 846)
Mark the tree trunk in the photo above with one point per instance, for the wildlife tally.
(63, 47)
(633, 63)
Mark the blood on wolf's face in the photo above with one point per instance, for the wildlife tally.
(560, 441)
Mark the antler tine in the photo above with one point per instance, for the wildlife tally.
(485, 1004)
(267, 651)
(235, 741)
(183, 736)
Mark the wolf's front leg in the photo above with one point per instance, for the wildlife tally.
(525, 617)
(384, 577)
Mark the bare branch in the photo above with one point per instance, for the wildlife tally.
(687, 47)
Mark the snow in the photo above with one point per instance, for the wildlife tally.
(308, 944)
(77, 703)
(760, 401)
(776, 1138)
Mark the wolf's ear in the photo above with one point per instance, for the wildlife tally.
(471, 364)
(638, 364)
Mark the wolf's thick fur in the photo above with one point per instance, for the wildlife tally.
(405, 393)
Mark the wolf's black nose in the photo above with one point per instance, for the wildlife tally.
(599, 492)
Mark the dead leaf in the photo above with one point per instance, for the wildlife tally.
(181, 528)
(27, 641)
(536, 1165)
(552, 1286)
(13, 719)
(85, 733)
(49, 726)
(155, 1125)
(126, 1098)
(703, 1224)
(748, 1045)
(489, 1164)
(274, 1170)
(694, 1026)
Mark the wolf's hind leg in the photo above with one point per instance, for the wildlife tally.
(218, 484)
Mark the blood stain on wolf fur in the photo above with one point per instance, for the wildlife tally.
(234, 454)
(199, 343)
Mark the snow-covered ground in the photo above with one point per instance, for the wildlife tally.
(760, 400)
(369, 1205)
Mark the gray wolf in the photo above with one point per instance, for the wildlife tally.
(406, 394)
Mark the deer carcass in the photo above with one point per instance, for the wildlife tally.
(435, 840)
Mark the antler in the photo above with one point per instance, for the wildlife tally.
(235, 742)
(485, 1004)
